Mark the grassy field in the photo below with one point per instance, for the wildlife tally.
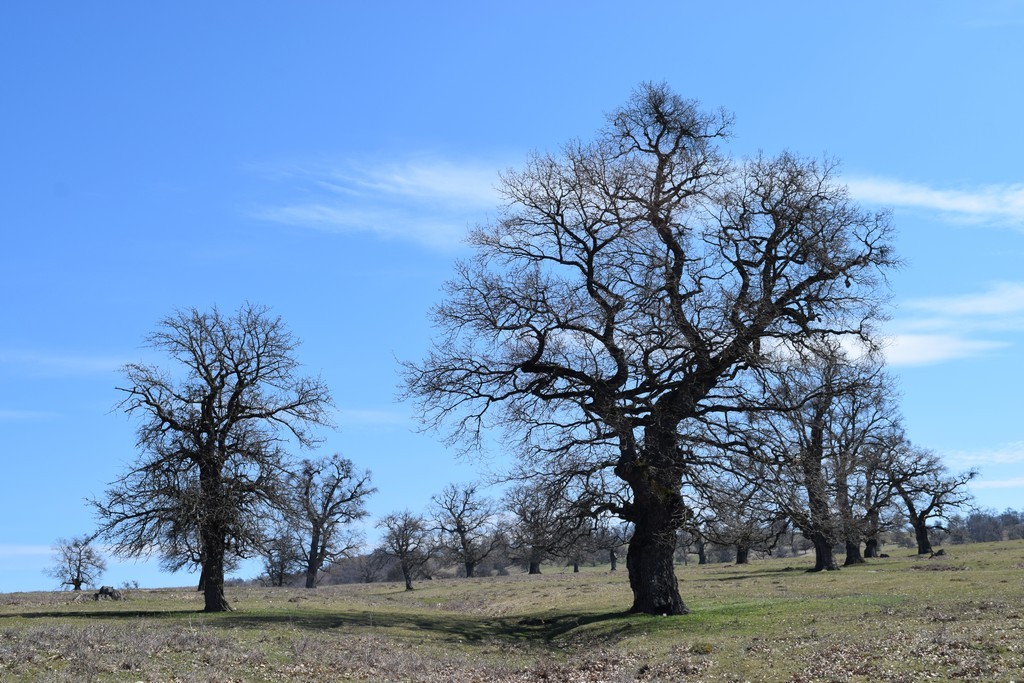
(954, 618)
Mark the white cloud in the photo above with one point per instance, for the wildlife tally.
(1003, 298)
(467, 185)
(937, 329)
(1015, 482)
(929, 349)
(988, 203)
(432, 202)
(1007, 454)
(59, 364)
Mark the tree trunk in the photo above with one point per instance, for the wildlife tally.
(819, 528)
(702, 552)
(742, 555)
(212, 534)
(924, 545)
(534, 567)
(313, 565)
(823, 558)
(213, 571)
(201, 586)
(470, 569)
(872, 548)
(657, 512)
(652, 574)
(407, 575)
(575, 567)
(853, 555)
(613, 557)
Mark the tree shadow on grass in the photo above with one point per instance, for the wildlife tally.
(760, 573)
(538, 629)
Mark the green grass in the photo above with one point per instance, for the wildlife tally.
(901, 619)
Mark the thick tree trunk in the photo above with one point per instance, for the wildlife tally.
(212, 535)
(853, 555)
(310, 577)
(575, 567)
(213, 586)
(872, 548)
(534, 567)
(613, 557)
(652, 575)
(470, 569)
(655, 477)
(924, 545)
(823, 558)
(742, 555)
(702, 552)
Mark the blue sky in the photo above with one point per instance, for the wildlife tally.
(325, 158)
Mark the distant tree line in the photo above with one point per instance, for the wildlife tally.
(817, 447)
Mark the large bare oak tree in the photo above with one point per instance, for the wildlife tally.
(210, 432)
(625, 288)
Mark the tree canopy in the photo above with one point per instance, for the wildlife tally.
(210, 435)
(627, 288)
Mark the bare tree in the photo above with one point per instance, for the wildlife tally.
(464, 522)
(281, 555)
(370, 566)
(624, 291)
(210, 433)
(547, 522)
(927, 489)
(739, 512)
(325, 497)
(610, 537)
(76, 563)
(828, 408)
(407, 539)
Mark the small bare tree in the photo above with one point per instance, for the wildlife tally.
(76, 563)
(928, 490)
(281, 554)
(325, 496)
(545, 523)
(407, 539)
(463, 520)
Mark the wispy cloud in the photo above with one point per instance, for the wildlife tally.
(928, 349)
(59, 364)
(432, 202)
(982, 204)
(1003, 298)
(937, 329)
(1006, 454)
(1015, 482)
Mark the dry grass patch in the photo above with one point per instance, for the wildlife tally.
(901, 620)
